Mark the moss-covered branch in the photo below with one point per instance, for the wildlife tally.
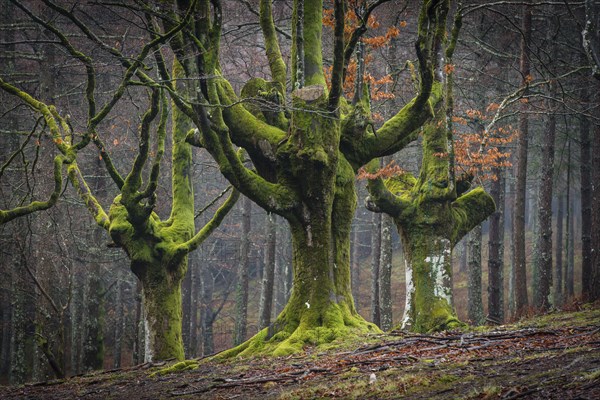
(34, 206)
(276, 64)
(133, 181)
(337, 72)
(210, 226)
(403, 127)
(161, 133)
(86, 195)
(470, 210)
(273, 197)
(312, 43)
(245, 129)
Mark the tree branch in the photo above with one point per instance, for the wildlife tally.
(469, 210)
(276, 64)
(210, 226)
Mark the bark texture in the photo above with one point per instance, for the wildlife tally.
(431, 217)
(475, 303)
(496, 252)
(518, 237)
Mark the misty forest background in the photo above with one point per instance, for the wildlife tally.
(66, 289)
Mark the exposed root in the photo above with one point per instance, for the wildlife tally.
(288, 340)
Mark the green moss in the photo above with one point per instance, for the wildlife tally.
(186, 365)
(313, 55)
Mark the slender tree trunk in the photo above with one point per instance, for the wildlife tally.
(206, 311)
(375, 266)
(385, 273)
(77, 322)
(6, 325)
(266, 294)
(93, 344)
(281, 270)
(544, 207)
(519, 262)
(509, 230)
(140, 334)
(117, 332)
(241, 300)
(195, 310)
(496, 252)
(533, 226)
(186, 289)
(558, 266)
(585, 172)
(475, 304)
(595, 228)
(355, 265)
(569, 291)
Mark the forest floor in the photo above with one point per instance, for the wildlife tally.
(554, 356)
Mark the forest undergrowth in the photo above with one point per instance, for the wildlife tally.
(556, 355)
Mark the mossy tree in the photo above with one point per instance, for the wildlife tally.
(432, 212)
(157, 248)
(304, 157)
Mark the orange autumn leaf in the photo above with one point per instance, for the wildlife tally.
(391, 169)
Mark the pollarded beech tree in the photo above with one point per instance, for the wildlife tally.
(305, 156)
(157, 249)
(432, 213)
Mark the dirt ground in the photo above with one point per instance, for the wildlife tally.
(556, 356)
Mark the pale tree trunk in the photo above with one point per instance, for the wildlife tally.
(355, 265)
(385, 273)
(282, 269)
(241, 296)
(475, 304)
(519, 256)
(462, 252)
(496, 252)
(375, 267)
(268, 280)
(428, 263)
